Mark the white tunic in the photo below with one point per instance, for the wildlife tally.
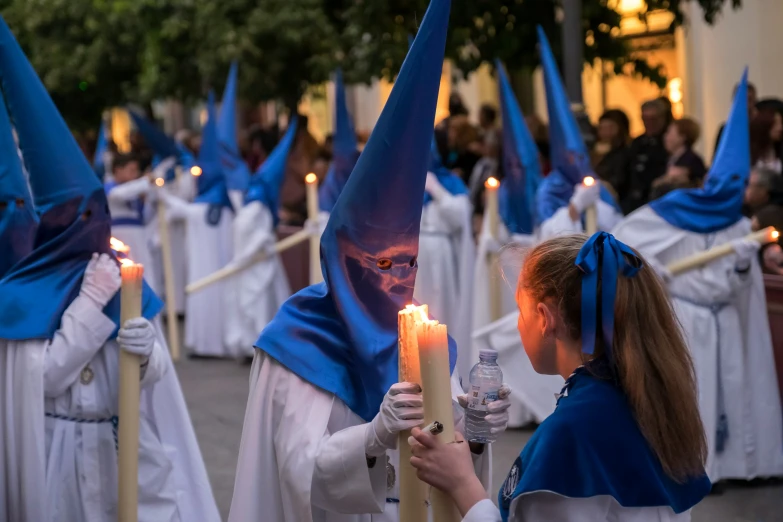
(301, 458)
(209, 249)
(505, 268)
(445, 273)
(545, 506)
(724, 319)
(254, 295)
(60, 469)
(123, 199)
(560, 223)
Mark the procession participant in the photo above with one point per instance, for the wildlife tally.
(231, 161)
(721, 306)
(447, 254)
(208, 242)
(562, 197)
(628, 407)
(253, 296)
(59, 346)
(325, 409)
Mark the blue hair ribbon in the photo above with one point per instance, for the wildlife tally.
(603, 254)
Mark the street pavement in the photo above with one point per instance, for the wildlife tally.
(216, 393)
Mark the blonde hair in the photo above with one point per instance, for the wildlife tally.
(652, 361)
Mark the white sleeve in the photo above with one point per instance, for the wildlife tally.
(608, 217)
(714, 282)
(484, 511)
(343, 482)
(129, 191)
(83, 331)
(559, 224)
(452, 209)
(177, 208)
(156, 366)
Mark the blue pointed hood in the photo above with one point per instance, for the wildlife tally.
(266, 181)
(341, 335)
(345, 149)
(521, 167)
(74, 215)
(18, 219)
(211, 184)
(234, 167)
(162, 145)
(568, 152)
(100, 150)
(718, 204)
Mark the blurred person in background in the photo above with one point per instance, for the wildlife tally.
(540, 133)
(766, 130)
(765, 187)
(771, 254)
(647, 156)
(465, 147)
(752, 109)
(613, 138)
(456, 108)
(487, 166)
(679, 139)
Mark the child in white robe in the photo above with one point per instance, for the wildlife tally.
(612, 421)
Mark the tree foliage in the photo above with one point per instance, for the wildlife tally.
(93, 54)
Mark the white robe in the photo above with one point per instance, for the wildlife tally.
(560, 222)
(254, 295)
(724, 319)
(61, 470)
(122, 204)
(184, 187)
(209, 249)
(545, 506)
(301, 457)
(445, 273)
(505, 268)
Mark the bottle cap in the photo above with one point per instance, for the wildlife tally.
(488, 353)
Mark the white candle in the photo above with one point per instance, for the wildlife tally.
(128, 436)
(433, 344)
(493, 224)
(591, 213)
(764, 236)
(311, 183)
(413, 492)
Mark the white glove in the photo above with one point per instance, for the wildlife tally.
(492, 245)
(433, 186)
(585, 196)
(101, 279)
(745, 250)
(402, 409)
(497, 416)
(315, 227)
(137, 336)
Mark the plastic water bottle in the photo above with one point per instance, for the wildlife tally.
(486, 379)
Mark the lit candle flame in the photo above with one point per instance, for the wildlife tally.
(491, 183)
(775, 234)
(126, 262)
(118, 245)
(422, 314)
(311, 178)
(160, 182)
(589, 181)
(195, 170)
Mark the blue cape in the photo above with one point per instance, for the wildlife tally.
(591, 445)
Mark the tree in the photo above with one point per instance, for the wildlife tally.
(483, 30)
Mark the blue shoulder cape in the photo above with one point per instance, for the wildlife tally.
(590, 446)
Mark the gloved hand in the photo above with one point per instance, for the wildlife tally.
(402, 409)
(137, 336)
(433, 186)
(101, 279)
(492, 245)
(317, 226)
(745, 250)
(585, 196)
(497, 411)
(163, 167)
